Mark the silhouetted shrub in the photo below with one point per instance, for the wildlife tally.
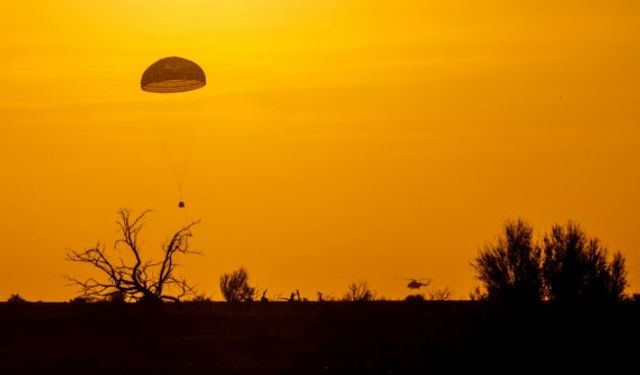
(510, 268)
(322, 297)
(16, 299)
(200, 298)
(636, 298)
(568, 266)
(359, 292)
(235, 286)
(576, 267)
(80, 300)
(478, 295)
(118, 298)
(440, 294)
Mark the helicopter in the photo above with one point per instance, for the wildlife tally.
(416, 284)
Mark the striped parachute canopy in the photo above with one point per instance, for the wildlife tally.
(173, 74)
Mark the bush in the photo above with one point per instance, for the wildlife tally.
(119, 298)
(440, 294)
(80, 300)
(510, 268)
(200, 298)
(235, 286)
(577, 268)
(16, 299)
(359, 292)
(567, 266)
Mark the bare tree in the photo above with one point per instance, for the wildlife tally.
(132, 278)
(235, 286)
(359, 292)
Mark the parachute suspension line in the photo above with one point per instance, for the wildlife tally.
(179, 157)
(170, 155)
(192, 133)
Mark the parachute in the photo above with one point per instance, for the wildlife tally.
(174, 75)
(171, 75)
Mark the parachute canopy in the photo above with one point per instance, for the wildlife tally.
(173, 74)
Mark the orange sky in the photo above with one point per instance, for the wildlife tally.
(335, 141)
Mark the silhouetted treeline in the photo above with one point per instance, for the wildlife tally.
(563, 265)
(567, 265)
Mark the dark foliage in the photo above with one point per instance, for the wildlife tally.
(577, 268)
(16, 299)
(443, 294)
(568, 266)
(80, 300)
(510, 268)
(235, 286)
(200, 298)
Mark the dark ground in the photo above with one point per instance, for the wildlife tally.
(314, 338)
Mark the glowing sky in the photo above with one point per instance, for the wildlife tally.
(336, 140)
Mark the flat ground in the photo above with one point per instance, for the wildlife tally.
(317, 338)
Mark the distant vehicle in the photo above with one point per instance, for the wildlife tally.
(415, 284)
